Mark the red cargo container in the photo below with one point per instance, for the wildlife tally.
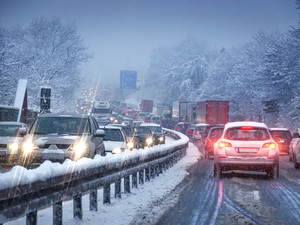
(147, 105)
(212, 112)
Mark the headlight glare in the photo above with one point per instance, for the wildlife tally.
(13, 147)
(116, 150)
(149, 141)
(130, 145)
(29, 147)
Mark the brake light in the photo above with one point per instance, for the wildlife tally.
(190, 131)
(270, 145)
(209, 140)
(247, 128)
(177, 127)
(195, 131)
(224, 144)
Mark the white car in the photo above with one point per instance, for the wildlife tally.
(294, 152)
(11, 137)
(246, 146)
(114, 140)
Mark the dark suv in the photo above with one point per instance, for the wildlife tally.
(283, 138)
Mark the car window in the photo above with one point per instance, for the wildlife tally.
(9, 130)
(216, 133)
(113, 135)
(247, 134)
(281, 134)
(61, 125)
(142, 130)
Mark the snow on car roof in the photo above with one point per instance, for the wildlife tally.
(245, 123)
(150, 125)
(278, 128)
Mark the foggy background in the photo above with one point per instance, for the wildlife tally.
(122, 33)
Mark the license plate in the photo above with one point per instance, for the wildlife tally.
(247, 150)
(2, 153)
(53, 156)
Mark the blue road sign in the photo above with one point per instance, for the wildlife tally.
(128, 79)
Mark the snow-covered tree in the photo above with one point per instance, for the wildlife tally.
(47, 54)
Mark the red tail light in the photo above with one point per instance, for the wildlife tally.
(195, 131)
(270, 145)
(224, 144)
(170, 125)
(209, 140)
(177, 127)
(190, 131)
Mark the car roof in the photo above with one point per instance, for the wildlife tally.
(11, 123)
(245, 123)
(280, 129)
(149, 125)
(110, 127)
(74, 115)
(201, 124)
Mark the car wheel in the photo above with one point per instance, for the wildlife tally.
(296, 164)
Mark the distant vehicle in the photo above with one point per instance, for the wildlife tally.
(166, 121)
(212, 112)
(11, 137)
(199, 130)
(157, 132)
(295, 140)
(58, 136)
(179, 111)
(212, 137)
(246, 146)
(103, 121)
(142, 116)
(190, 131)
(128, 130)
(115, 140)
(147, 105)
(101, 109)
(182, 127)
(144, 136)
(283, 138)
(155, 119)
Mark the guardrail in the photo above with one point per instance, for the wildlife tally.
(23, 192)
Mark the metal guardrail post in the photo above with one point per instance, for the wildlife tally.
(152, 169)
(118, 189)
(106, 193)
(127, 184)
(57, 213)
(77, 206)
(31, 218)
(93, 200)
(147, 174)
(141, 176)
(134, 180)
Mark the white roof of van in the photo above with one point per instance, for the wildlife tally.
(245, 123)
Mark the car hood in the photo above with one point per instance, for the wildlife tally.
(41, 140)
(9, 140)
(110, 145)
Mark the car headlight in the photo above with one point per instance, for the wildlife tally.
(161, 139)
(79, 147)
(130, 145)
(149, 141)
(28, 147)
(116, 150)
(13, 147)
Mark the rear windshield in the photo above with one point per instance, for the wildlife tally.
(60, 125)
(200, 128)
(216, 132)
(247, 134)
(282, 134)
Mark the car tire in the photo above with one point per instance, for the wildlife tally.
(296, 164)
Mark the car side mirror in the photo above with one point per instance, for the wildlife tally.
(100, 133)
(22, 131)
(296, 135)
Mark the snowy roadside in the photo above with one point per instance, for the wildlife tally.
(147, 199)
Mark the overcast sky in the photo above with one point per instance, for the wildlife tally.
(123, 33)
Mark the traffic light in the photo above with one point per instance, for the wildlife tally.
(45, 99)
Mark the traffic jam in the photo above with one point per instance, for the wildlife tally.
(110, 128)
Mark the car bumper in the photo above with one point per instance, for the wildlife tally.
(257, 164)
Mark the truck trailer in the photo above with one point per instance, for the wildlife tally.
(212, 112)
